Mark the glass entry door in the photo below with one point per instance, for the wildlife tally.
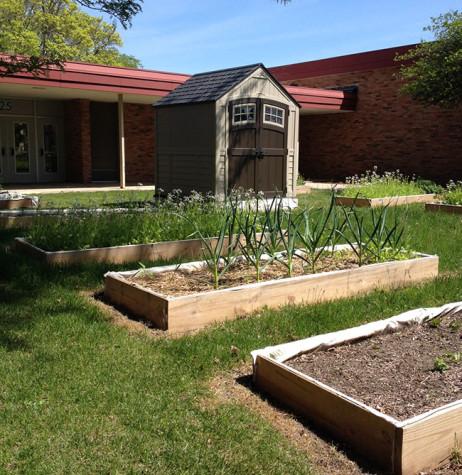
(17, 150)
(49, 150)
(3, 150)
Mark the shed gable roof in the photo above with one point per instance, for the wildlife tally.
(206, 87)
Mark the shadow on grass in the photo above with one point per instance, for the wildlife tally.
(31, 290)
(366, 466)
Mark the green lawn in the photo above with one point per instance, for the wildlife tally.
(81, 199)
(80, 395)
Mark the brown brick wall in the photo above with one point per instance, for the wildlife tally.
(388, 130)
(139, 143)
(77, 138)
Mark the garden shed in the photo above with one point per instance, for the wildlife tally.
(233, 128)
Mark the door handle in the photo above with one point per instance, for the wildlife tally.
(12, 151)
(41, 152)
(3, 151)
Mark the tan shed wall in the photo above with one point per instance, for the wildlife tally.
(261, 86)
(185, 157)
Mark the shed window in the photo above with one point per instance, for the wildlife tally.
(273, 115)
(243, 114)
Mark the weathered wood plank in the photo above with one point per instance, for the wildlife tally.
(196, 311)
(17, 204)
(137, 301)
(368, 433)
(386, 201)
(191, 312)
(159, 251)
(444, 208)
(429, 441)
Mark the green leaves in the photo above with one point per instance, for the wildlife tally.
(43, 33)
(433, 70)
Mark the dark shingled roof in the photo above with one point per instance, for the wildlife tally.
(206, 87)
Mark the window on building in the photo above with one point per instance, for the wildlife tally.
(243, 114)
(273, 115)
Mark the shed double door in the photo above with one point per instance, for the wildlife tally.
(257, 153)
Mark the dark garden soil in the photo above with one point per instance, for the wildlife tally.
(183, 282)
(401, 374)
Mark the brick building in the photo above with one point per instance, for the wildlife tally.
(90, 123)
(387, 129)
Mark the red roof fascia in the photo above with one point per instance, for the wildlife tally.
(323, 99)
(158, 84)
(383, 58)
(102, 78)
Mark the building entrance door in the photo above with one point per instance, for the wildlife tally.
(17, 150)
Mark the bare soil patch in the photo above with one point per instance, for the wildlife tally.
(118, 318)
(401, 374)
(324, 455)
(186, 282)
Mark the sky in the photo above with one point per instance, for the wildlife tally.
(191, 36)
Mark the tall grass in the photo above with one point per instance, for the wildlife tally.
(372, 184)
(83, 229)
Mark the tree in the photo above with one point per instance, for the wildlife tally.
(44, 33)
(432, 71)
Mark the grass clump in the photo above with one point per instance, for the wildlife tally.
(452, 195)
(372, 184)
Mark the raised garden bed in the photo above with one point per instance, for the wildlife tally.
(168, 301)
(165, 251)
(391, 389)
(444, 208)
(25, 218)
(386, 201)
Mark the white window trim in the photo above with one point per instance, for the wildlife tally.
(270, 121)
(245, 122)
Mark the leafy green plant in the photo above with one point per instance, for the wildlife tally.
(371, 236)
(435, 322)
(219, 253)
(440, 365)
(354, 232)
(254, 225)
(316, 232)
(288, 223)
(372, 184)
(452, 195)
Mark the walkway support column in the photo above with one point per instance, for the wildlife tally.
(121, 141)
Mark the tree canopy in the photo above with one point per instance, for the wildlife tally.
(48, 32)
(433, 70)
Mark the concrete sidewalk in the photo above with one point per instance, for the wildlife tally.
(72, 187)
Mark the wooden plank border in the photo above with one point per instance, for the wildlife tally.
(444, 208)
(167, 250)
(386, 201)
(17, 203)
(402, 447)
(191, 312)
